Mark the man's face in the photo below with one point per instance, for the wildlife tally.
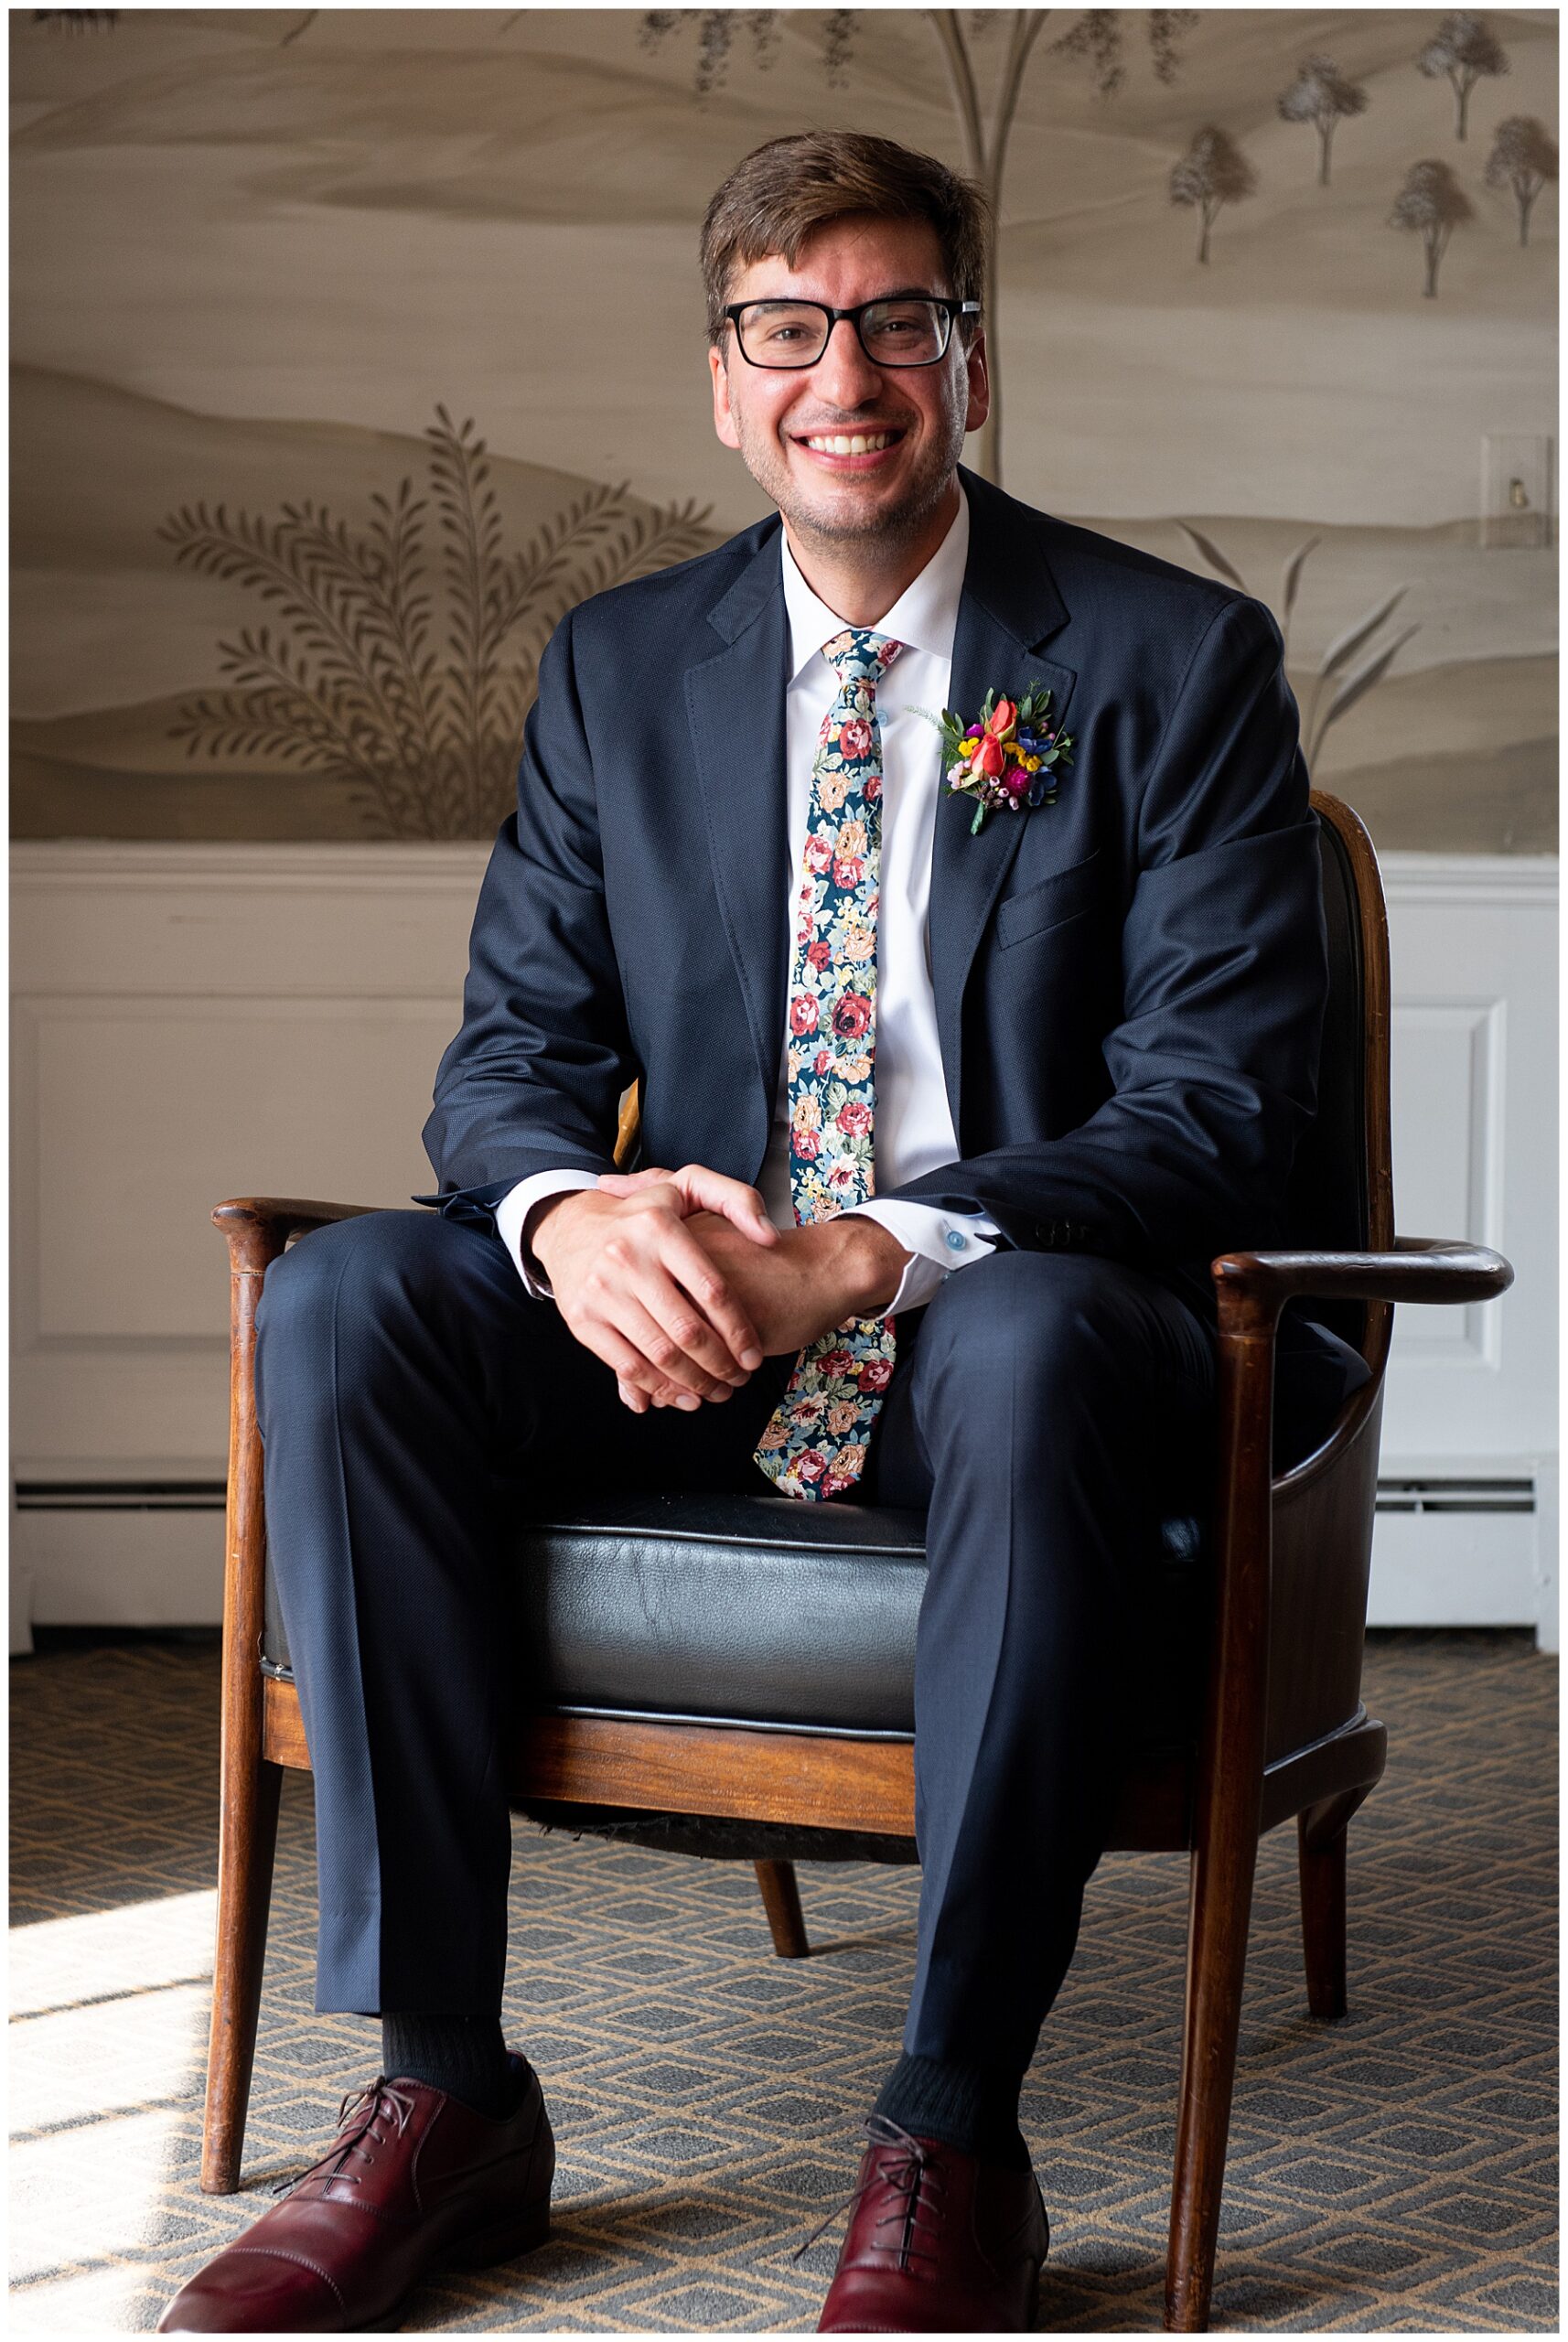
(779, 418)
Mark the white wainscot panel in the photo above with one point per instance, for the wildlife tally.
(1468, 1465)
(147, 1112)
(190, 1023)
(1473, 946)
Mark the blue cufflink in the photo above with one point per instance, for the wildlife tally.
(958, 1243)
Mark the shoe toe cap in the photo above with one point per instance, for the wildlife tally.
(250, 2290)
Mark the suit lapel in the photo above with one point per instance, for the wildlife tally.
(1010, 605)
(734, 704)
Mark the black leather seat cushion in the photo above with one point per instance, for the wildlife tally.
(748, 1609)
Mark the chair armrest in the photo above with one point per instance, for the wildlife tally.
(1251, 1288)
(264, 1224)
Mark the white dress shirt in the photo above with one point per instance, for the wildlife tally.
(913, 1129)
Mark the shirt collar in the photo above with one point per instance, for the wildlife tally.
(924, 617)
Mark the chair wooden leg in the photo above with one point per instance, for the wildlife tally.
(250, 1786)
(1217, 1960)
(1321, 1842)
(244, 1900)
(782, 1901)
(1226, 1804)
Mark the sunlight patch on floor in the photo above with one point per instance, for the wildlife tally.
(108, 2032)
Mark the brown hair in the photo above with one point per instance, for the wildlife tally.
(782, 192)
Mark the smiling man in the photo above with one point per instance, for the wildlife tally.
(961, 1109)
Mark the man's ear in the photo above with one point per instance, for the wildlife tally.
(978, 369)
(724, 422)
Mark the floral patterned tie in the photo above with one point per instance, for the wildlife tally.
(816, 1442)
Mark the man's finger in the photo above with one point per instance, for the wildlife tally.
(706, 1190)
(631, 1183)
(693, 1268)
(677, 1338)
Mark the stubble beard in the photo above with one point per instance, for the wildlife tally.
(900, 524)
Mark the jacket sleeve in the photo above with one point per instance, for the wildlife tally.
(1224, 967)
(534, 1080)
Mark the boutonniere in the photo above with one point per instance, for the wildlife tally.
(1005, 760)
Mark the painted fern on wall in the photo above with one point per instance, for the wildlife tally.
(403, 657)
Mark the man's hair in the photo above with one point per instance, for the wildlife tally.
(776, 198)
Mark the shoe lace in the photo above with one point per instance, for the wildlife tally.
(359, 2113)
(909, 2170)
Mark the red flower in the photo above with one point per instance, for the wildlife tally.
(854, 738)
(818, 853)
(851, 1016)
(875, 1374)
(811, 1463)
(820, 953)
(822, 1060)
(988, 757)
(1003, 715)
(855, 1116)
(803, 1014)
(849, 872)
(836, 1363)
(808, 1145)
(873, 790)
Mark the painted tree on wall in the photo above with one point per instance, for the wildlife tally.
(1322, 95)
(398, 666)
(985, 103)
(1462, 51)
(1524, 158)
(1212, 173)
(1431, 205)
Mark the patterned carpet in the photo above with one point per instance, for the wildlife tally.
(1393, 2173)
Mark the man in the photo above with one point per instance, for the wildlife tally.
(962, 1110)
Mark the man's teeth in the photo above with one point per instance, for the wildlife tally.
(838, 444)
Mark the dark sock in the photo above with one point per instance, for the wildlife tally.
(464, 2055)
(966, 2107)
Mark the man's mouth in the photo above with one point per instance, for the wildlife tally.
(848, 445)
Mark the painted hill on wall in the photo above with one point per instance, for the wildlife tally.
(110, 638)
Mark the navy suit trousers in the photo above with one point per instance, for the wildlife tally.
(1046, 1407)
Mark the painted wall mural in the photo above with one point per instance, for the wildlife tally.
(349, 348)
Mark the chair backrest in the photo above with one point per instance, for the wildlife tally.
(1340, 1196)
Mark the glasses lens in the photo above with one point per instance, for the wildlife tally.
(904, 333)
(782, 333)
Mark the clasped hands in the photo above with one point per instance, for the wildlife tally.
(680, 1282)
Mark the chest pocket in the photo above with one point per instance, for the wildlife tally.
(1059, 898)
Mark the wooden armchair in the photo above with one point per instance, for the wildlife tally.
(1274, 1582)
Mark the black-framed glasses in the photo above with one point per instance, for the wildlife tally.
(910, 329)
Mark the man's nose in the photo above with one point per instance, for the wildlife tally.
(845, 375)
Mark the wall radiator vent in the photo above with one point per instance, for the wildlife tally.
(1468, 1493)
(120, 1495)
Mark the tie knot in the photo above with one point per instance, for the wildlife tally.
(858, 656)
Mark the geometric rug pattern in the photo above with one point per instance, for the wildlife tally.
(1393, 2173)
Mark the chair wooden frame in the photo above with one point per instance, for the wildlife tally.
(1239, 1784)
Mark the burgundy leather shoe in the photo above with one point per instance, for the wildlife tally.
(415, 2182)
(939, 2242)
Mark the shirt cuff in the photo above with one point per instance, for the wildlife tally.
(938, 1242)
(511, 1214)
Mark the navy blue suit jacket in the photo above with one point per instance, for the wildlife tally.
(1130, 984)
